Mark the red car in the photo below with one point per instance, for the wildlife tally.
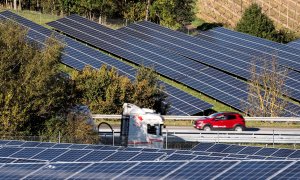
(221, 120)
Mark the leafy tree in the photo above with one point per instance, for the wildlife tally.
(172, 13)
(32, 88)
(135, 11)
(256, 23)
(148, 93)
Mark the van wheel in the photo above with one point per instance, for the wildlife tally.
(238, 128)
(207, 128)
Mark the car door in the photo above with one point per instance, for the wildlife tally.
(230, 121)
(218, 122)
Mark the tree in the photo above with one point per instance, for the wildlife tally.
(32, 88)
(256, 23)
(266, 89)
(147, 91)
(105, 91)
(172, 13)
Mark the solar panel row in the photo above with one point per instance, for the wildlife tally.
(154, 170)
(140, 52)
(223, 57)
(294, 44)
(78, 56)
(94, 153)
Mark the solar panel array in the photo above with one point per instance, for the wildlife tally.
(286, 56)
(212, 82)
(295, 44)
(223, 57)
(78, 55)
(129, 163)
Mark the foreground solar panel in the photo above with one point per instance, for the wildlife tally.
(121, 156)
(203, 146)
(96, 156)
(27, 152)
(294, 44)
(103, 170)
(207, 52)
(150, 170)
(57, 170)
(72, 155)
(148, 156)
(292, 172)
(208, 170)
(184, 70)
(7, 151)
(253, 170)
(50, 154)
(180, 157)
(18, 171)
(78, 56)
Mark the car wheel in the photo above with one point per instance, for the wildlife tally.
(238, 128)
(207, 128)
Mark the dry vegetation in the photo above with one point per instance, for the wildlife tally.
(284, 13)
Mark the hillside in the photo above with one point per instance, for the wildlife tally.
(284, 13)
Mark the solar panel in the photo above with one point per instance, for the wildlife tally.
(7, 160)
(46, 144)
(103, 170)
(133, 149)
(233, 149)
(96, 156)
(96, 147)
(78, 146)
(150, 150)
(283, 153)
(62, 145)
(167, 151)
(291, 172)
(266, 151)
(15, 143)
(110, 147)
(237, 155)
(148, 156)
(121, 156)
(49, 154)
(254, 170)
(183, 152)
(175, 156)
(202, 146)
(296, 154)
(7, 151)
(150, 170)
(294, 44)
(78, 56)
(218, 147)
(201, 153)
(249, 150)
(30, 144)
(218, 154)
(200, 157)
(3, 142)
(207, 170)
(256, 157)
(57, 170)
(28, 161)
(203, 51)
(17, 171)
(27, 152)
(188, 74)
(72, 155)
(256, 43)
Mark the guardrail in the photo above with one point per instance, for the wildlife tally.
(270, 119)
(225, 137)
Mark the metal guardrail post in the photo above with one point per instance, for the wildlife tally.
(273, 139)
(113, 139)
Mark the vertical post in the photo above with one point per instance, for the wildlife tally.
(166, 138)
(113, 133)
(58, 136)
(273, 139)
